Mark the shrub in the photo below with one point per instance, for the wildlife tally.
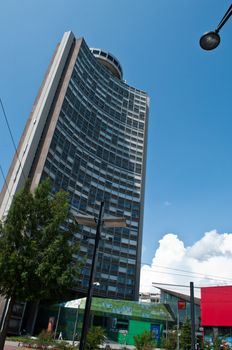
(63, 345)
(144, 341)
(169, 342)
(45, 337)
(95, 337)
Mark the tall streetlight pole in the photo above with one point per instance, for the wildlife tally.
(211, 40)
(109, 221)
(192, 314)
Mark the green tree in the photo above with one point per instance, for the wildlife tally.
(169, 342)
(185, 336)
(36, 254)
(144, 341)
(95, 338)
(217, 343)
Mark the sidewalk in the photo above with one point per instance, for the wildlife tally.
(11, 345)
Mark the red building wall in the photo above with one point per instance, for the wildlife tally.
(216, 306)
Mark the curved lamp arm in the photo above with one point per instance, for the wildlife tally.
(211, 40)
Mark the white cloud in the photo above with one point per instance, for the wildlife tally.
(207, 262)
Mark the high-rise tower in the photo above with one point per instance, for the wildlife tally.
(88, 131)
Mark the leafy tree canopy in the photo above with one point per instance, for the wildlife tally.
(37, 245)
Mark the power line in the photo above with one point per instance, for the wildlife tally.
(173, 285)
(187, 271)
(222, 292)
(192, 277)
(5, 182)
(212, 277)
(12, 138)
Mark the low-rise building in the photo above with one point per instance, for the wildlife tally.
(122, 319)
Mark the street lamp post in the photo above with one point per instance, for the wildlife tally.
(192, 313)
(98, 223)
(75, 324)
(211, 40)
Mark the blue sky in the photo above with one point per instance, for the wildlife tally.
(189, 168)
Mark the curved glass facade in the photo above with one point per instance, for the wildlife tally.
(97, 154)
(93, 145)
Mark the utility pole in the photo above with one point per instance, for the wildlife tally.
(192, 314)
(178, 329)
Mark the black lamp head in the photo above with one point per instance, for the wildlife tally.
(210, 41)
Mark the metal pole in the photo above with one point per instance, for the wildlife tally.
(166, 327)
(91, 280)
(6, 307)
(192, 313)
(57, 322)
(178, 329)
(75, 326)
(224, 19)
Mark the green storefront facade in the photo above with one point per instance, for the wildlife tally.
(121, 319)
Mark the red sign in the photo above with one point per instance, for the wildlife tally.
(216, 306)
(181, 304)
